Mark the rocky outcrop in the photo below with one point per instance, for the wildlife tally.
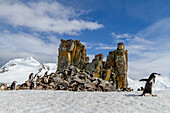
(72, 53)
(71, 79)
(118, 61)
(75, 73)
(96, 67)
(114, 69)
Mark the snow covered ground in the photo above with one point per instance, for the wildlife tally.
(46, 101)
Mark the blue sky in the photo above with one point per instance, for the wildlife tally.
(35, 27)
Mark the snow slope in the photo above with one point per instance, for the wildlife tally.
(46, 101)
(20, 69)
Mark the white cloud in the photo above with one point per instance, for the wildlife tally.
(88, 45)
(144, 67)
(106, 47)
(148, 49)
(127, 37)
(152, 56)
(122, 37)
(103, 46)
(43, 16)
(23, 45)
(135, 43)
(97, 46)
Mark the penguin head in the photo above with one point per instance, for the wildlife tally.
(155, 74)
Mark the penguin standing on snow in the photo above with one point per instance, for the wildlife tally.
(13, 85)
(150, 84)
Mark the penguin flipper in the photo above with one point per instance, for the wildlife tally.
(143, 80)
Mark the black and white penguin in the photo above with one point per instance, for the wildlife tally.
(46, 74)
(2, 86)
(150, 84)
(33, 85)
(13, 85)
(46, 79)
(35, 78)
(31, 77)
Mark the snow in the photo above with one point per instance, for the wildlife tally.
(42, 101)
(20, 69)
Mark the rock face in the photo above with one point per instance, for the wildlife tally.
(118, 61)
(72, 53)
(114, 69)
(96, 67)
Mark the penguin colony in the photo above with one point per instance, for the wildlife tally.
(71, 79)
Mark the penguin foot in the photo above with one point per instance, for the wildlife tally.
(154, 95)
(142, 95)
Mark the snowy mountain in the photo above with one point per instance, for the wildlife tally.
(20, 69)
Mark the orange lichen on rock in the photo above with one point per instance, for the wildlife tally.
(96, 75)
(114, 69)
(71, 53)
(108, 74)
(119, 58)
(96, 66)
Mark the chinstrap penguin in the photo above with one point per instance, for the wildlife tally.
(150, 84)
(2, 86)
(13, 85)
(33, 85)
(31, 77)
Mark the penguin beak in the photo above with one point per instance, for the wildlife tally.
(159, 74)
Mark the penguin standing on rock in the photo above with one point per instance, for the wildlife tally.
(31, 77)
(2, 86)
(150, 84)
(13, 85)
(35, 78)
(33, 85)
